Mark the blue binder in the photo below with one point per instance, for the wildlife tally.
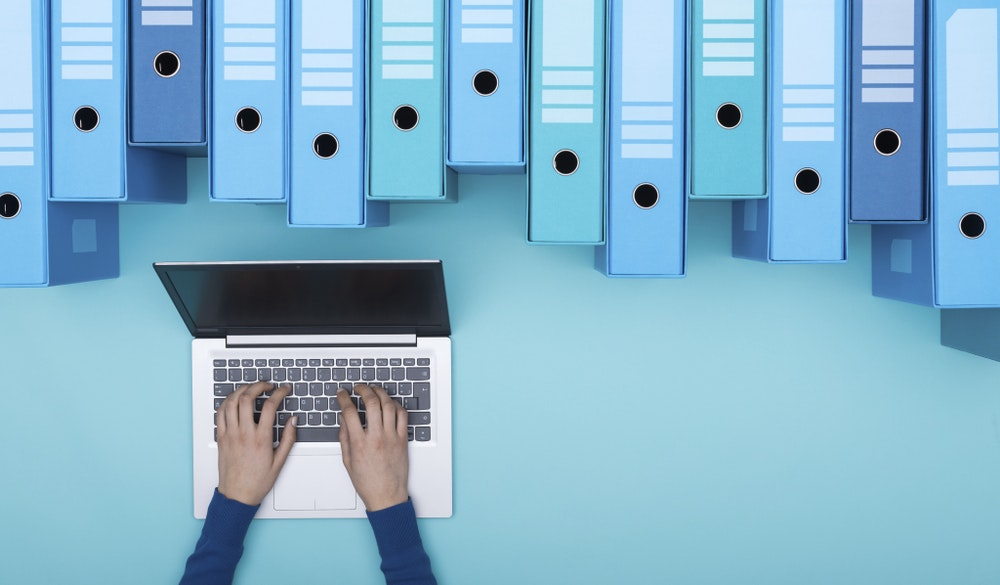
(167, 67)
(954, 260)
(566, 146)
(975, 331)
(888, 121)
(91, 159)
(646, 189)
(486, 86)
(727, 100)
(407, 102)
(247, 153)
(803, 218)
(43, 242)
(326, 183)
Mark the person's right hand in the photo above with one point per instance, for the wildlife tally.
(376, 457)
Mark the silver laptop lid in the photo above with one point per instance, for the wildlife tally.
(324, 297)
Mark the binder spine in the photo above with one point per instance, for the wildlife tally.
(566, 167)
(247, 150)
(888, 133)
(646, 189)
(88, 100)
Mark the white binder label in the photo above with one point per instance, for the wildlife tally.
(413, 56)
(16, 78)
(808, 70)
(567, 57)
(887, 55)
(249, 53)
(87, 52)
(327, 53)
(647, 78)
(166, 13)
(487, 21)
(971, 97)
(727, 29)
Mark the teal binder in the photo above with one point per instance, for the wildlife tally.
(728, 99)
(407, 103)
(566, 121)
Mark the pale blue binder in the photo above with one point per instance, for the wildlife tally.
(43, 242)
(486, 65)
(727, 100)
(975, 331)
(888, 130)
(954, 260)
(647, 199)
(247, 153)
(91, 158)
(326, 179)
(566, 121)
(803, 218)
(407, 102)
(167, 75)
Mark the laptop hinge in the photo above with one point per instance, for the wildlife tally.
(401, 339)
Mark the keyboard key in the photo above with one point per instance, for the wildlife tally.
(339, 374)
(218, 403)
(323, 375)
(409, 433)
(423, 361)
(334, 405)
(301, 389)
(283, 418)
(301, 362)
(309, 374)
(224, 389)
(260, 363)
(250, 374)
(410, 403)
(398, 374)
(368, 374)
(264, 374)
(347, 386)
(341, 362)
(422, 392)
(369, 361)
(422, 433)
(219, 363)
(382, 362)
(234, 363)
(353, 374)
(409, 362)
(418, 418)
(390, 388)
(395, 362)
(314, 362)
(322, 403)
(306, 403)
(314, 419)
(274, 363)
(329, 419)
(382, 374)
(278, 374)
(235, 375)
(355, 362)
(315, 388)
(220, 374)
(302, 418)
(405, 388)
(330, 389)
(420, 373)
(291, 404)
(318, 435)
(287, 363)
(328, 362)
(247, 363)
(294, 374)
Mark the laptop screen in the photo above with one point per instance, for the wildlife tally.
(309, 297)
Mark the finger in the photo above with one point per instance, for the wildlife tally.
(273, 404)
(389, 411)
(345, 446)
(247, 399)
(348, 413)
(402, 421)
(230, 409)
(372, 405)
(285, 445)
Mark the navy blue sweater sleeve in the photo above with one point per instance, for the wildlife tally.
(221, 544)
(404, 561)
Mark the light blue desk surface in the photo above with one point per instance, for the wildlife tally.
(747, 424)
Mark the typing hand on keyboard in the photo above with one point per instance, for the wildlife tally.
(376, 456)
(248, 460)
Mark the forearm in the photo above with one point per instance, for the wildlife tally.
(404, 561)
(221, 544)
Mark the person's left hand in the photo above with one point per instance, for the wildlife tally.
(248, 461)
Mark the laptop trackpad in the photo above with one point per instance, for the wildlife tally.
(314, 482)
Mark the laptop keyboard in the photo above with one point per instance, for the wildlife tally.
(314, 382)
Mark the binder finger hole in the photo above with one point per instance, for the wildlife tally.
(887, 142)
(325, 145)
(729, 116)
(565, 162)
(807, 181)
(972, 225)
(248, 120)
(485, 82)
(86, 119)
(646, 195)
(166, 64)
(405, 118)
(10, 206)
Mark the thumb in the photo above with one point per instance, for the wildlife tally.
(285, 445)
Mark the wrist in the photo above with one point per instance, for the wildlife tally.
(386, 501)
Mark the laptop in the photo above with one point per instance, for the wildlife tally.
(320, 326)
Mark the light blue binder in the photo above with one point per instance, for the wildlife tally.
(566, 121)
(486, 86)
(954, 260)
(888, 119)
(91, 159)
(727, 100)
(43, 242)
(326, 181)
(407, 102)
(975, 331)
(803, 218)
(247, 151)
(167, 75)
(646, 189)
